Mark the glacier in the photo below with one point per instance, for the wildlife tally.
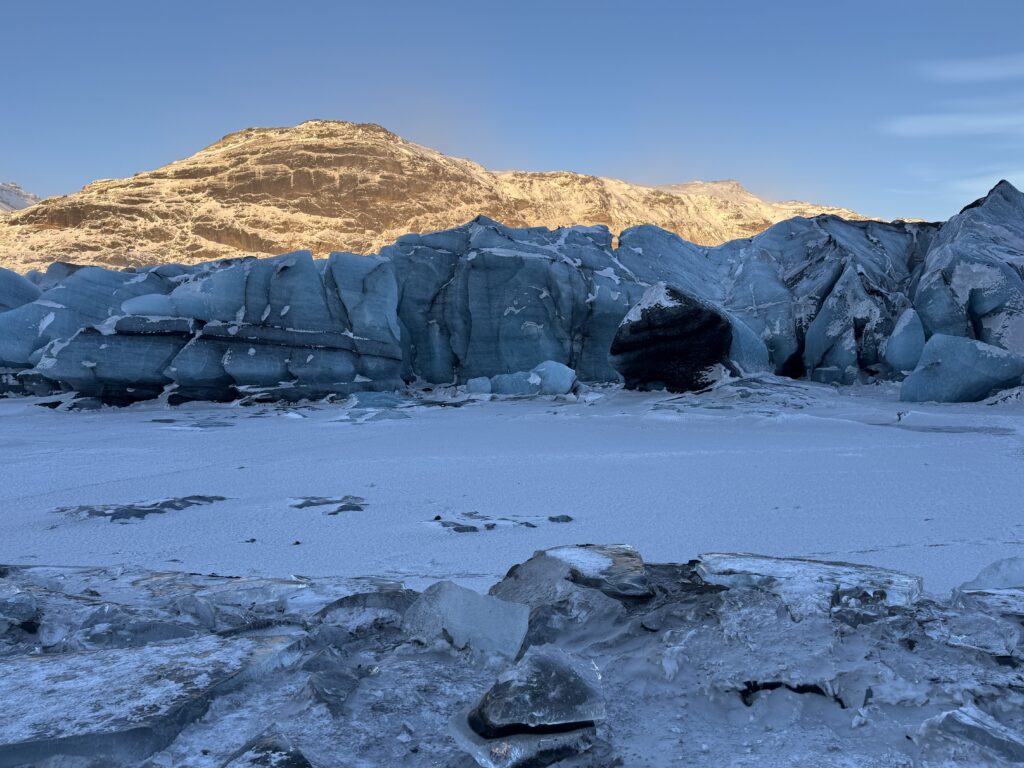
(830, 300)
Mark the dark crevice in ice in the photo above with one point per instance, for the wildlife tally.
(486, 730)
(752, 687)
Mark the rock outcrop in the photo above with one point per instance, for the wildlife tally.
(329, 186)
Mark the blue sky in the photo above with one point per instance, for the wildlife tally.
(903, 107)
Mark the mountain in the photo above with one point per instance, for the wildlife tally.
(14, 198)
(327, 186)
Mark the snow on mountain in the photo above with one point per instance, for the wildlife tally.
(14, 198)
(326, 185)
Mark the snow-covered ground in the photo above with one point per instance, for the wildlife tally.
(769, 466)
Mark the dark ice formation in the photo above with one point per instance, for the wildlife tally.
(498, 309)
(671, 341)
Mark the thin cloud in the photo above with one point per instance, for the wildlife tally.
(957, 124)
(986, 69)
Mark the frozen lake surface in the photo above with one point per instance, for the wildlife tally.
(394, 487)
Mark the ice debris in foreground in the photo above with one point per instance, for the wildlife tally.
(739, 659)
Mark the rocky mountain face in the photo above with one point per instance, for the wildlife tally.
(14, 198)
(836, 301)
(328, 186)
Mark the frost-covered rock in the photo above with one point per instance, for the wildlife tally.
(467, 619)
(269, 751)
(955, 369)
(615, 569)
(521, 750)
(17, 608)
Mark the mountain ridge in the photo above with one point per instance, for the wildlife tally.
(331, 185)
(14, 198)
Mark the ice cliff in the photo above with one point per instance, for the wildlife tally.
(836, 301)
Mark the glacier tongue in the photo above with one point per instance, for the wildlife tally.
(836, 301)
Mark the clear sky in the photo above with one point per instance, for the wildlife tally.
(893, 108)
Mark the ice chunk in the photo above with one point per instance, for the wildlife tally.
(976, 631)
(480, 385)
(972, 725)
(954, 369)
(615, 569)
(519, 383)
(17, 607)
(268, 751)
(810, 587)
(123, 704)
(555, 378)
(546, 689)
(468, 619)
(906, 343)
(1007, 573)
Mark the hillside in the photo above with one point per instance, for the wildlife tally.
(329, 186)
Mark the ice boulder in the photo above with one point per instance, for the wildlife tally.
(467, 619)
(906, 342)
(17, 608)
(546, 378)
(810, 587)
(555, 378)
(1007, 573)
(542, 710)
(544, 689)
(676, 341)
(955, 369)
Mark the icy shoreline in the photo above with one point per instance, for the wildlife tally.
(568, 661)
